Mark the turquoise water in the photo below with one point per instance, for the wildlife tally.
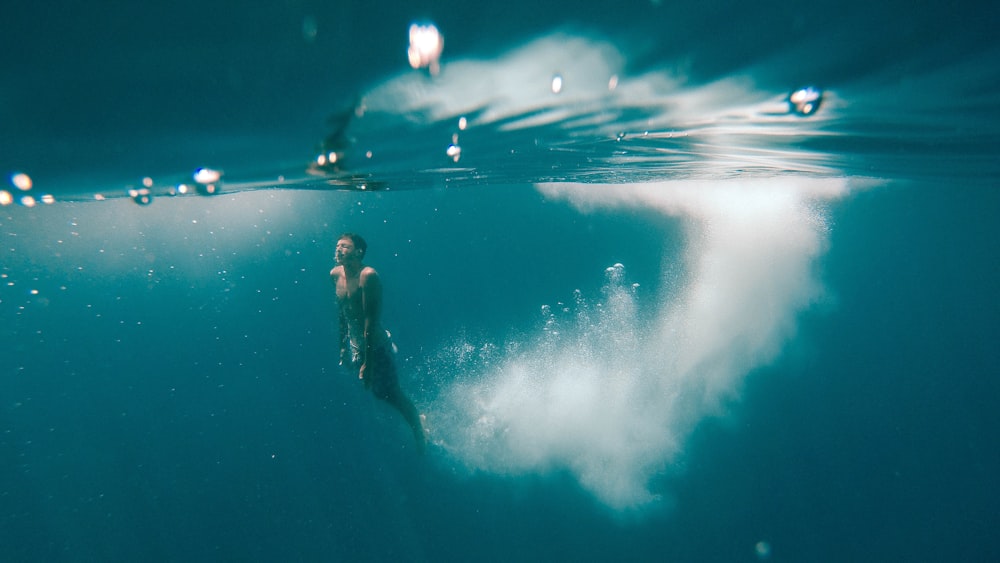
(649, 312)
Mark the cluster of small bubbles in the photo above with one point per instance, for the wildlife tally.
(595, 330)
(551, 326)
(805, 101)
(142, 196)
(24, 183)
(615, 274)
(620, 136)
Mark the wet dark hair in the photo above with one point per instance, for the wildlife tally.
(357, 240)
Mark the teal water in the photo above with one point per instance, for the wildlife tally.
(794, 362)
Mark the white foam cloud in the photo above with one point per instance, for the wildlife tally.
(611, 399)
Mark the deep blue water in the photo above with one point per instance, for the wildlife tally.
(797, 364)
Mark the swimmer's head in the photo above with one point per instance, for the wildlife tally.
(357, 242)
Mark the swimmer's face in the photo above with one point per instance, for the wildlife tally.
(345, 250)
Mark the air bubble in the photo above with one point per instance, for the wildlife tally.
(21, 181)
(207, 181)
(426, 45)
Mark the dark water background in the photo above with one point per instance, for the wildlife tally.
(168, 389)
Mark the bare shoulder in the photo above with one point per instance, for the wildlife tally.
(336, 272)
(368, 275)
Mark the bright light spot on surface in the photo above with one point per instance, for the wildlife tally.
(462, 123)
(183, 189)
(21, 181)
(426, 44)
(207, 176)
(613, 82)
(28, 201)
(805, 101)
(6, 198)
(455, 152)
(33, 292)
(557, 84)
(147, 181)
(99, 197)
(331, 158)
(48, 199)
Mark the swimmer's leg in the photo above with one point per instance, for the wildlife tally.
(400, 402)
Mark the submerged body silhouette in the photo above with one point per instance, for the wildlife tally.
(364, 345)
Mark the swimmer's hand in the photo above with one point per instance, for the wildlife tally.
(361, 372)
